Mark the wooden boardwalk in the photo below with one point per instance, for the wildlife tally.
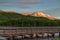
(27, 30)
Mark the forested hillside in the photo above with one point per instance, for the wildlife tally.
(15, 19)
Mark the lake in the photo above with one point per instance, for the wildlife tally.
(43, 39)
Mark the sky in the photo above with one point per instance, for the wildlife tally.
(51, 7)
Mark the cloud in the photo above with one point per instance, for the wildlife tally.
(24, 7)
(24, 4)
(53, 11)
(57, 0)
(2, 1)
(30, 2)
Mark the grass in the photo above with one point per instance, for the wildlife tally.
(56, 38)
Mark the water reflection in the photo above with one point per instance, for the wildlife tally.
(39, 39)
(34, 39)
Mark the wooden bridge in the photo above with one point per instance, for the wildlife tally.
(11, 31)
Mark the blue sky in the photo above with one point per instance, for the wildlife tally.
(51, 7)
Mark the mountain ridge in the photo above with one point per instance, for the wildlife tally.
(34, 14)
(39, 14)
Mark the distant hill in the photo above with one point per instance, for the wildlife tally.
(8, 18)
(39, 14)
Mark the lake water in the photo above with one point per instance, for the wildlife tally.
(35, 39)
(39, 39)
(55, 38)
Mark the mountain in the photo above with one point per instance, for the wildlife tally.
(42, 14)
(25, 13)
(34, 14)
(38, 14)
(27, 19)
